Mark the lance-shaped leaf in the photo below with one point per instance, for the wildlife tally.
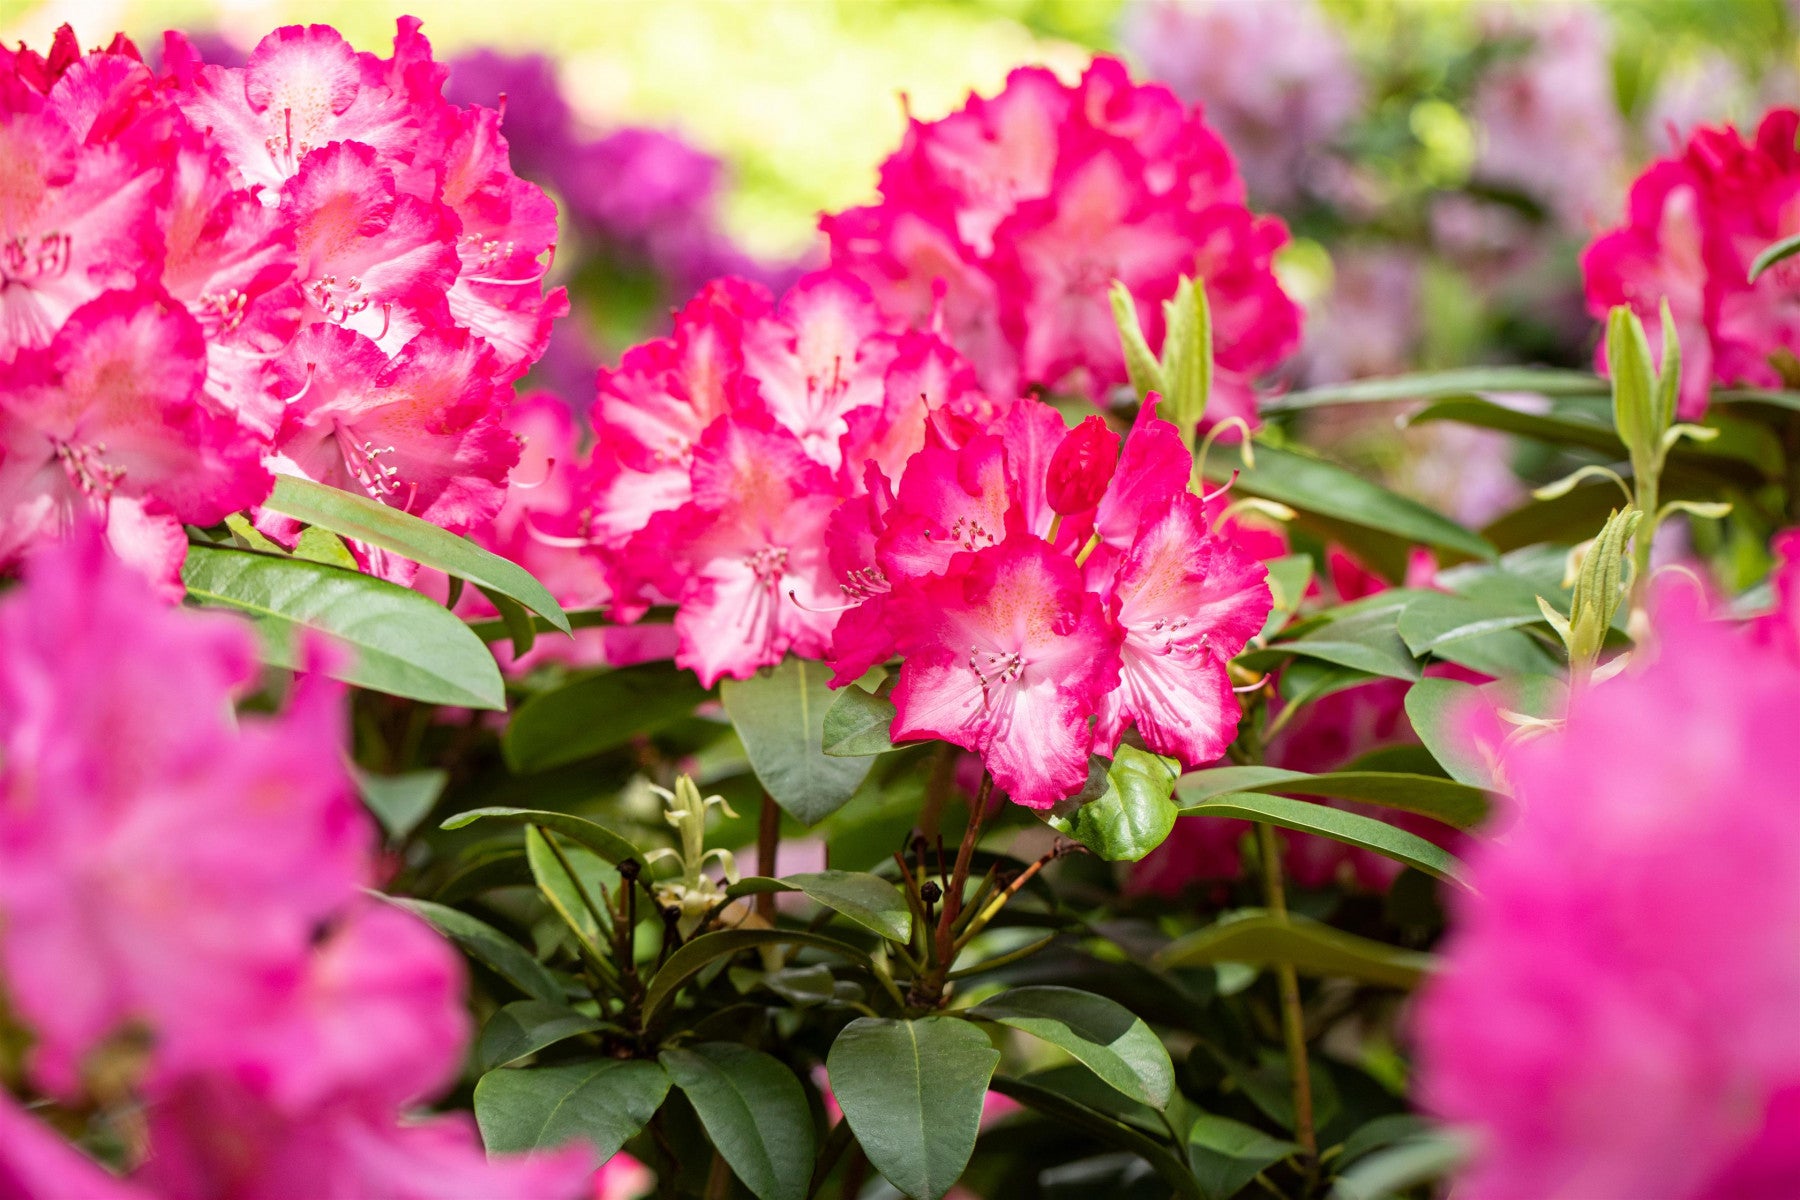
(779, 714)
(595, 713)
(1773, 253)
(595, 836)
(393, 639)
(604, 1102)
(694, 956)
(376, 524)
(754, 1111)
(1350, 828)
(1101, 1034)
(869, 900)
(526, 1026)
(1432, 384)
(912, 1092)
(1308, 946)
(1226, 1155)
(1447, 800)
(488, 945)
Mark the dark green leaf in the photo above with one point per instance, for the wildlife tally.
(526, 1026)
(1539, 380)
(376, 524)
(1053, 1103)
(1437, 619)
(563, 888)
(1102, 1034)
(779, 714)
(519, 624)
(754, 1111)
(397, 640)
(1560, 429)
(1404, 1166)
(596, 713)
(596, 837)
(400, 802)
(482, 941)
(1311, 484)
(1365, 640)
(1351, 828)
(604, 1102)
(869, 900)
(694, 955)
(857, 724)
(1307, 946)
(1132, 809)
(1445, 800)
(912, 1092)
(1226, 1155)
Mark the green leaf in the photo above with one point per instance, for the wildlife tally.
(604, 1102)
(1314, 485)
(1363, 640)
(1437, 619)
(1305, 945)
(482, 941)
(595, 713)
(1141, 366)
(563, 890)
(694, 955)
(1775, 252)
(1288, 577)
(869, 900)
(1132, 809)
(1187, 359)
(1102, 1034)
(912, 1092)
(1445, 800)
(1404, 1166)
(1226, 1155)
(755, 1112)
(376, 524)
(398, 641)
(401, 801)
(857, 724)
(1539, 380)
(526, 1026)
(596, 837)
(1564, 428)
(1434, 707)
(519, 624)
(779, 714)
(1351, 828)
(1052, 1102)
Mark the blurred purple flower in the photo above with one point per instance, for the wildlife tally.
(537, 122)
(1369, 322)
(1275, 79)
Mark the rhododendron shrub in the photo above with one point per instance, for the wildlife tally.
(919, 729)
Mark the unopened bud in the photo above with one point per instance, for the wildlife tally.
(931, 893)
(630, 869)
(1082, 467)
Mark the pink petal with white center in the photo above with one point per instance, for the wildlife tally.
(949, 502)
(1007, 656)
(1154, 466)
(751, 545)
(1188, 602)
(818, 358)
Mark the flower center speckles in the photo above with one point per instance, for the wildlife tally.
(768, 564)
(994, 669)
(87, 469)
(1172, 632)
(27, 260)
(970, 534)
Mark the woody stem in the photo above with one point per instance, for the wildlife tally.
(1293, 1018)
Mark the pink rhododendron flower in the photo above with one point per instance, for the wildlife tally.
(1276, 80)
(1005, 223)
(1694, 224)
(107, 422)
(1082, 467)
(1615, 1014)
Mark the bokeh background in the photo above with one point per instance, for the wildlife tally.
(1440, 164)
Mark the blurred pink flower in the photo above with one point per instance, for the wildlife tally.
(1615, 1014)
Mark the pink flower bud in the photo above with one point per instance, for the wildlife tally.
(1082, 467)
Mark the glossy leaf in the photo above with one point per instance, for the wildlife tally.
(526, 1026)
(694, 955)
(604, 1102)
(857, 724)
(596, 713)
(377, 524)
(912, 1092)
(1539, 380)
(1226, 1155)
(483, 942)
(1435, 707)
(1437, 619)
(1351, 828)
(1365, 640)
(596, 837)
(869, 900)
(1053, 1102)
(1308, 946)
(563, 887)
(1311, 484)
(1445, 800)
(1102, 1034)
(754, 1111)
(1131, 810)
(394, 639)
(401, 801)
(779, 714)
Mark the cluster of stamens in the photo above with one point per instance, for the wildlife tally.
(86, 469)
(970, 534)
(380, 479)
(282, 148)
(768, 564)
(864, 582)
(22, 261)
(226, 309)
(994, 669)
(1170, 630)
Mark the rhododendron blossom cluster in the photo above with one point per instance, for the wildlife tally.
(312, 264)
(184, 917)
(1695, 223)
(1008, 220)
(1616, 1013)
